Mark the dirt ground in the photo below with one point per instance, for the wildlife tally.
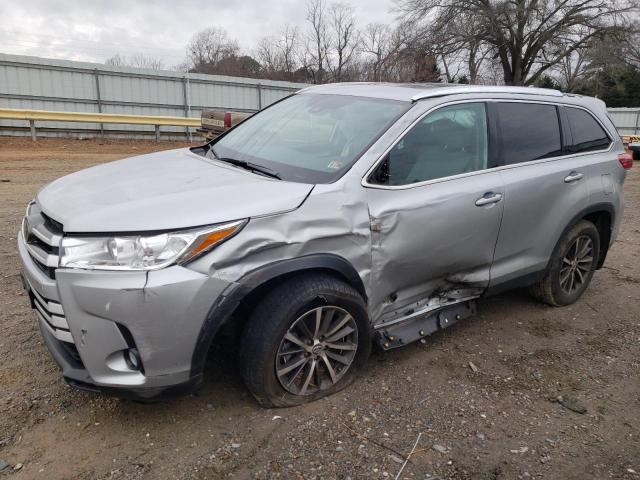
(502, 421)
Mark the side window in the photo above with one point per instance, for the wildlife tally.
(449, 141)
(529, 131)
(587, 133)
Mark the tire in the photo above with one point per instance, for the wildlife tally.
(635, 154)
(569, 277)
(291, 309)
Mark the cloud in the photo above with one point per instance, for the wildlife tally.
(96, 30)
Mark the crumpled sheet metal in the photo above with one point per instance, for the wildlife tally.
(334, 219)
(430, 240)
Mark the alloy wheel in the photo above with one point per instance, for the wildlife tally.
(317, 350)
(576, 264)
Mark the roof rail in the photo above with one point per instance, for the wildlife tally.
(439, 92)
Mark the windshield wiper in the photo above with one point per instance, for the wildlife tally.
(254, 167)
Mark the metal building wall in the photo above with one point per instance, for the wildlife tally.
(47, 84)
(626, 120)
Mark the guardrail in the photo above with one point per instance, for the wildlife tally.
(33, 116)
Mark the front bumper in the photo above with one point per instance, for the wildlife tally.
(160, 312)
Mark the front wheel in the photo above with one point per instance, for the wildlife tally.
(572, 266)
(306, 339)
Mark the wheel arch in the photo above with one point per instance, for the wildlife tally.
(602, 215)
(238, 299)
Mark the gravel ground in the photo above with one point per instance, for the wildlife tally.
(499, 420)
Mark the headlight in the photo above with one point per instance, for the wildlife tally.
(143, 252)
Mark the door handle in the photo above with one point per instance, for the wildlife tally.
(573, 177)
(486, 200)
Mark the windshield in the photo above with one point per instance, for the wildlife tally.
(310, 138)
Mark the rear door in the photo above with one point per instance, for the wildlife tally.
(600, 165)
(435, 202)
(545, 187)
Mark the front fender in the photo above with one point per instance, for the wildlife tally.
(226, 304)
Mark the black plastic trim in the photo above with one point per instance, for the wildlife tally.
(518, 282)
(224, 306)
(142, 395)
(494, 136)
(567, 134)
(71, 367)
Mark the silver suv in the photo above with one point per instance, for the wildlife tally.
(342, 217)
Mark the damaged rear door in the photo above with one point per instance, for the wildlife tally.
(435, 204)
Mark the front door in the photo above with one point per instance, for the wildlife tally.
(435, 203)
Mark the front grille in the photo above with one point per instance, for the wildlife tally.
(51, 223)
(50, 249)
(48, 271)
(71, 349)
(52, 315)
(42, 235)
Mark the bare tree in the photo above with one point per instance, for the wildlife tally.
(528, 37)
(116, 61)
(375, 47)
(137, 61)
(268, 55)
(344, 39)
(447, 46)
(573, 68)
(209, 47)
(145, 61)
(315, 56)
(278, 55)
(398, 55)
(288, 45)
(631, 47)
(460, 41)
(478, 53)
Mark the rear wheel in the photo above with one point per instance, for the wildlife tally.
(635, 154)
(306, 339)
(572, 266)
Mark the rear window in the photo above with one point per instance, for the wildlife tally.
(530, 131)
(587, 133)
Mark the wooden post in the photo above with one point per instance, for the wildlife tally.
(157, 133)
(32, 126)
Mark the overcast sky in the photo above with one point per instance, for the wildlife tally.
(94, 30)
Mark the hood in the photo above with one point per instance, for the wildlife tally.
(162, 191)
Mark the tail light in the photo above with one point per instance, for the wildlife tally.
(227, 119)
(626, 160)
